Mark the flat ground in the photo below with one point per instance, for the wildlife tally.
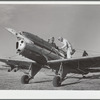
(43, 81)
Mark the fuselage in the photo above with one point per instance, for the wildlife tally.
(37, 49)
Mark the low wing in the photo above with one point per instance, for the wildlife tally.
(16, 63)
(19, 64)
(83, 63)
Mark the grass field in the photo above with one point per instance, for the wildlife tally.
(43, 81)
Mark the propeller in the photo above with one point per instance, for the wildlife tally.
(17, 34)
(11, 31)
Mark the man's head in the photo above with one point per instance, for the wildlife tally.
(52, 39)
(60, 39)
(49, 40)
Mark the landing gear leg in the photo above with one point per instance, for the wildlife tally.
(56, 72)
(34, 70)
(58, 79)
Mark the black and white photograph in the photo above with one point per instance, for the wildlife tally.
(49, 47)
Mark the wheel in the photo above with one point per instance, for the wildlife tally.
(9, 70)
(56, 81)
(25, 79)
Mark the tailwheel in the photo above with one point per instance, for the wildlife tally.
(56, 81)
(25, 79)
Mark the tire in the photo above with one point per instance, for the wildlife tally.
(56, 81)
(25, 79)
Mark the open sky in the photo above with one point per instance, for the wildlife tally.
(80, 24)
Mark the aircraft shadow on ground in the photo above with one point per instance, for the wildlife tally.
(41, 81)
(79, 81)
(87, 77)
(71, 83)
(93, 77)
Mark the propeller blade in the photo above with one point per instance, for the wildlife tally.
(11, 31)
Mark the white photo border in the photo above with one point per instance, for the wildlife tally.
(50, 94)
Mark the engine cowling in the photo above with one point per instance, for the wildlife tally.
(31, 51)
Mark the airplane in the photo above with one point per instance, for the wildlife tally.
(44, 54)
(15, 64)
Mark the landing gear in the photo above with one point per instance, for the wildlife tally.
(25, 79)
(56, 72)
(56, 81)
(34, 70)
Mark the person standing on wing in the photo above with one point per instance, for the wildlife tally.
(67, 46)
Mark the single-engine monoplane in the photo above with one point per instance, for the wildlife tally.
(44, 54)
